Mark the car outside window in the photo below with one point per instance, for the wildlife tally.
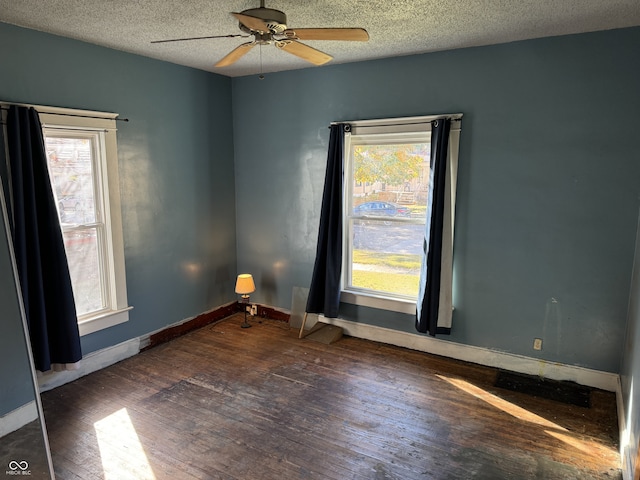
(386, 184)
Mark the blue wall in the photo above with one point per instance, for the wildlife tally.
(176, 167)
(547, 191)
(547, 187)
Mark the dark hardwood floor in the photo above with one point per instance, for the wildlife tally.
(229, 403)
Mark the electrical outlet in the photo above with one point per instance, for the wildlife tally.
(537, 344)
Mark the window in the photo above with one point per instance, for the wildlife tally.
(83, 167)
(387, 174)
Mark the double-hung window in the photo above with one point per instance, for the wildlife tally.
(83, 167)
(387, 173)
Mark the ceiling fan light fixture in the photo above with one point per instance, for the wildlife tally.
(263, 38)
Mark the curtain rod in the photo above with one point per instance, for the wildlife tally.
(61, 114)
(357, 123)
(377, 125)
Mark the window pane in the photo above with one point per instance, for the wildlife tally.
(71, 169)
(82, 249)
(72, 163)
(386, 258)
(388, 202)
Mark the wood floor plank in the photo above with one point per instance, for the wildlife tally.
(228, 403)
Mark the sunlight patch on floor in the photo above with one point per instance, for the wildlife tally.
(120, 449)
(556, 431)
(500, 403)
(587, 446)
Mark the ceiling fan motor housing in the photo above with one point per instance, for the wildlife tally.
(275, 19)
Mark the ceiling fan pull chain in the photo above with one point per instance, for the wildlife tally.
(261, 76)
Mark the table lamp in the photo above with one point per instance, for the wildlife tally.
(244, 287)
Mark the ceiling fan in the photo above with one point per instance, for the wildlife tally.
(270, 26)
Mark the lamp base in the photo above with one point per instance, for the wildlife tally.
(245, 304)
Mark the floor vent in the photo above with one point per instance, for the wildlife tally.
(560, 391)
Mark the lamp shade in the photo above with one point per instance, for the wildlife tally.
(244, 284)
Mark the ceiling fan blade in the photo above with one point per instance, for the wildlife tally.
(346, 34)
(252, 23)
(303, 51)
(235, 54)
(199, 38)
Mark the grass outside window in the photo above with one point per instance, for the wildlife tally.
(386, 272)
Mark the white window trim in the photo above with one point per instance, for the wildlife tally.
(118, 310)
(395, 126)
(378, 301)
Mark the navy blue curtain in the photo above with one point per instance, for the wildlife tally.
(324, 292)
(40, 256)
(429, 291)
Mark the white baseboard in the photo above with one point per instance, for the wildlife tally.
(91, 363)
(483, 356)
(625, 448)
(107, 356)
(18, 418)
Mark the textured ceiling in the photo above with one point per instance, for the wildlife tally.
(396, 27)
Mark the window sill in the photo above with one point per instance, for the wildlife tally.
(380, 302)
(103, 320)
